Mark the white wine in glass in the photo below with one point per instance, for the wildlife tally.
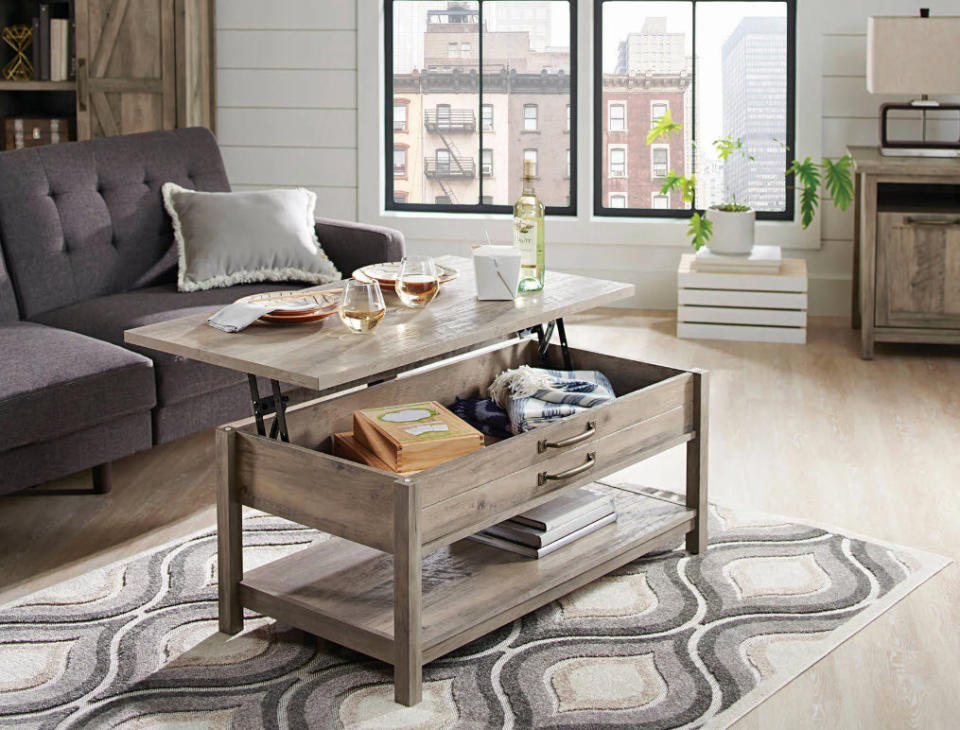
(362, 307)
(418, 282)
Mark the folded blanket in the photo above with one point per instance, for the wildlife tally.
(484, 415)
(533, 396)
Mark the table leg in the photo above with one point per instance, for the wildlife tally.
(229, 535)
(407, 595)
(545, 334)
(697, 464)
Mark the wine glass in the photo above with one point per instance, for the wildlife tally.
(418, 281)
(362, 307)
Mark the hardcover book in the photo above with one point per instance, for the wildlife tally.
(415, 436)
(568, 506)
(532, 552)
(526, 535)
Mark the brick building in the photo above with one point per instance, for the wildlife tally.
(632, 172)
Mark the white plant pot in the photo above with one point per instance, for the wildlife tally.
(732, 231)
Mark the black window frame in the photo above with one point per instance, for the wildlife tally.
(599, 209)
(569, 210)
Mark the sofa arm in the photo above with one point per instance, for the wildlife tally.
(352, 245)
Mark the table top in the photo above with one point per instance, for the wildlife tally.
(868, 160)
(324, 355)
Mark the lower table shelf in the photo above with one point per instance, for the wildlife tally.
(344, 591)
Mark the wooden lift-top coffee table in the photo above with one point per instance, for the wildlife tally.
(397, 581)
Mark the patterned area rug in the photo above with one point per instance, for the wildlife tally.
(669, 641)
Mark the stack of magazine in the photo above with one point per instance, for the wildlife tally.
(550, 526)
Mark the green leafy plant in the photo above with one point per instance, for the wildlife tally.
(835, 177)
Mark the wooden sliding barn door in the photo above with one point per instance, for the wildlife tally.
(126, 67)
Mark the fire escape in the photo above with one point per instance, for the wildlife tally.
(449, 163)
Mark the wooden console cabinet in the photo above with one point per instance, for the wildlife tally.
(906, 267)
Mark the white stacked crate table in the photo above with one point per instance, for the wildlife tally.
(750, 307)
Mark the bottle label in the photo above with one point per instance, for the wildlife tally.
(525, 241)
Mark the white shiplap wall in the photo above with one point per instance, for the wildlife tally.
(287, 101)
(286, 97)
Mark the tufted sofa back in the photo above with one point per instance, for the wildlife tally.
(85, 219)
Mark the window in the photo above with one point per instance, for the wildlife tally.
(442, 159)
(719, 68)
(400, 196)
(399, 162)
(659, 160)
(477, 75)
(617, 118)
(530, 154)
(486, 117)
(443, 116)
(530, 113)
(618, 162)
(400, 117)
(658, 110)
(618, 200)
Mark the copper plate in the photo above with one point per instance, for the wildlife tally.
(386, 274)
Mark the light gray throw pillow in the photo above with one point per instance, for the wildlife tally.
(241, 238)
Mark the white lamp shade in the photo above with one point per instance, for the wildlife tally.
(913, 55)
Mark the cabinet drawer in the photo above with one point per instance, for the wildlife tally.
(918, 270)
(304, 482)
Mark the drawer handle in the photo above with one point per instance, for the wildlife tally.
(575, 471)
(931, 221)
(544, 444)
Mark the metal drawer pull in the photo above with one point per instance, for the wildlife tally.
(931, 221)
(544, 444)
(575, 471)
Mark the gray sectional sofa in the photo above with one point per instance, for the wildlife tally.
(87, 252)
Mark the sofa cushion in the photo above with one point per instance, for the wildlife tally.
(54, 382)
(178, 378)
(81, 220)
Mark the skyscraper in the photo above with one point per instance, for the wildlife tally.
(652, 50)
(754, 71)
(534, 18)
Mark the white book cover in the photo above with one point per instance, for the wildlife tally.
(566, 507)
(761, 258)
(527, 535)
(513, 547)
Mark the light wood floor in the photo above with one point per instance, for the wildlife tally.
(811, 432)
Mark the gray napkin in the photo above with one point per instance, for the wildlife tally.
(239, 315)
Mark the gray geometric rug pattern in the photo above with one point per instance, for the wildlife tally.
(668, 641)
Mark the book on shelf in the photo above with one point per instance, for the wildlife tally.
(760, 260)
(531, 552)
(537, 538)
(566, 507)
(59, 44)
(44, 39)
(35, 48)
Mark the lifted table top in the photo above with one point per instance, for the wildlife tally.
(325, 356)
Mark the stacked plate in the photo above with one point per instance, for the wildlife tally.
(296, 306)
(386, 274)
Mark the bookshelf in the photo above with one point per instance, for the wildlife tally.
(136, 66)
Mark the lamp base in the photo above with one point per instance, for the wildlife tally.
(945, 144)
(919, 152)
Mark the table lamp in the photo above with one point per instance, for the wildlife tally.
(915, 55)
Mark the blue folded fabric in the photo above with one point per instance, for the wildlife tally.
(533, 396)
(484, 415)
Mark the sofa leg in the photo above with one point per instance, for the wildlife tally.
(102, 478)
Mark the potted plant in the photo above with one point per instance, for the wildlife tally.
(729, 227)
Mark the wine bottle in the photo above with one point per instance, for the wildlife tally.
(528, 232)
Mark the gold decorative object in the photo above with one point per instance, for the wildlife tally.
(18, 37)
